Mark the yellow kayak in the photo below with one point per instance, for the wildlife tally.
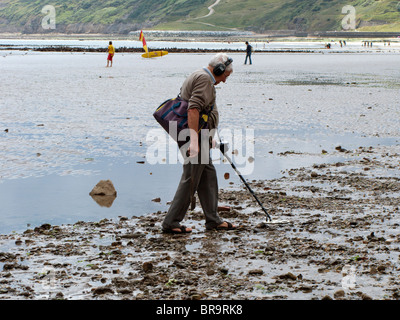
(154, 54)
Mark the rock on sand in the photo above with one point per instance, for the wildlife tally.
(104, 188)
(104, 193)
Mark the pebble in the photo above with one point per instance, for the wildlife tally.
(256, 272)
(147, 266)
(339, 294)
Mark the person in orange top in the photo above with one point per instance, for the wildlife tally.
(111, 52)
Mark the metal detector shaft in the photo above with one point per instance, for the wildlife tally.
(246, 184)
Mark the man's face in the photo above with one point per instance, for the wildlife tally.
(222, 78)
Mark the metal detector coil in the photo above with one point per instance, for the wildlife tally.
(223, 147)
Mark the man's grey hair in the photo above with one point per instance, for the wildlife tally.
(220, 58)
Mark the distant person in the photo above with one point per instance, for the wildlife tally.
(111, 52)
(249, 50)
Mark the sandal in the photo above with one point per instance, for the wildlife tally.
(182, 230)
(229, 227)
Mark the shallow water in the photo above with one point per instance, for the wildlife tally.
(72, 122)
(352, 46)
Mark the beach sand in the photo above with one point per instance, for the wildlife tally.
(342, 242)
(326, 159)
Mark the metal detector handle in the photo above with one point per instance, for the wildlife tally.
(222, 148)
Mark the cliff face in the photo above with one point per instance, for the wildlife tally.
(76, 16)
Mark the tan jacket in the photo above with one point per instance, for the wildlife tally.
(199, 90)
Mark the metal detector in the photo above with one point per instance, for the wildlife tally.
(223, 147)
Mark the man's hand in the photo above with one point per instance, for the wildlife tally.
(193, 149)
(213, 143)
(193, 123)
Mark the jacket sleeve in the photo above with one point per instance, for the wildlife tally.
(214, 118)
(201, 95)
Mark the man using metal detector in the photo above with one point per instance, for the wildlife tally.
(199, 90)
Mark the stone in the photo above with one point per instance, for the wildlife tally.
(339, 294)
(103, 188)
(365, 297)
(147, 266)
(256, 272)
(104, 193)
(102, 290)
(288, 276)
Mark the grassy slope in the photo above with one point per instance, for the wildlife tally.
(258, 15)
(102, 12)
(304, 15)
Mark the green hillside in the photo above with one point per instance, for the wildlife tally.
(123, 16)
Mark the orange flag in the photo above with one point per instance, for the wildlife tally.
(141, 38)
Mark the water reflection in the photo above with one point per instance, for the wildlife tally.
(104, 193)
(57, 137)
(103, 200)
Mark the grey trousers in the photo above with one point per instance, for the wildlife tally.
(205, 183)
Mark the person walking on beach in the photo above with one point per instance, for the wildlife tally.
(199, 90)
(249, 50)
(111, 52)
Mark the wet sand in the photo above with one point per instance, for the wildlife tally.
(342, 202)
(342, 242)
